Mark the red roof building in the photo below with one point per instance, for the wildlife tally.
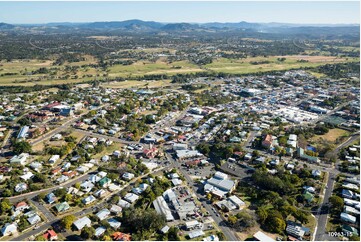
(119, 236)
(50, 235)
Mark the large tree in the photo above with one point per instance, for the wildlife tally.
(67, 221)
(21, 147)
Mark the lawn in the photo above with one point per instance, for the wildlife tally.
(332, 135)
(108, 150)
(141, 68)
(243, 66)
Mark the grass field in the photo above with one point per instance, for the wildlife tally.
(332, 135)
(244, 66)
(21, 71)
(141, 68)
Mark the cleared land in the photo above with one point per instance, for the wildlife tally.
(332, 135)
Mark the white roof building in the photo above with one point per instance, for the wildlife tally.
(103, 214)
(82, 222)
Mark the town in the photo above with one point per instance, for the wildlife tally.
(273, 157)
(180, 121)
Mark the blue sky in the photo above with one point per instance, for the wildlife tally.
(325, 12)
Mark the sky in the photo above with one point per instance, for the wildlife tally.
(324, 12)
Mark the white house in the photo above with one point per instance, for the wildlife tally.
(9, 229)
(82, 222)
(53, 159)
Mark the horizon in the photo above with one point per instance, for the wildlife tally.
(302, 13)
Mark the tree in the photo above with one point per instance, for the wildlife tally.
(40, 238)
(5, 206)
(77, 185)
(67, 221)
(232, 219)
(41, 196)
(221, 236)
(21, 147)
(336, 203)
(87, 232)
(106, 238)
(68, 197)
(24, 121)
(275, 223)
(173, 234)
(262, 214)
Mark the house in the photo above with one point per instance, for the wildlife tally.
(351, 210)
(50, 235)
(103, 214)
(82, 222)
(131, 197)
(309, 189)
(165, 229)
(316, 173)
(196, 234)
(62, 207)
(21, 187)
(104, 182)
(139, 190)
(50, 198)
(347, 193)
(19, 159)
(260, 236)
(119, 236)
(89, 200)
(308, 196)
(21, 206)
(100, 193)
(150, 153)
(212, 237)
(86, 186)
(124, 204)
(348, 218)
(54, 158)
(296, 230)
(194, 224)
(36, 166)
(115, 224)
(94, 178)
(105, 158)
(347, 229)
(34, 219)
(267, 141)
(116, 209)
(9, 229)
(128, 176)
(28, 175)
(100, 231)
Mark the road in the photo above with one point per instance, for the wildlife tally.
(323, 211)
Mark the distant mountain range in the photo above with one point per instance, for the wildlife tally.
(141, 26)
